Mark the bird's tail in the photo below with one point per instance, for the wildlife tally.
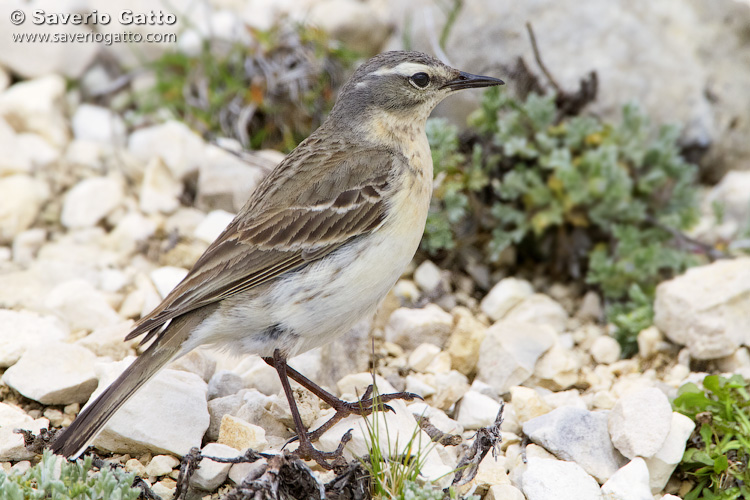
(74, 440)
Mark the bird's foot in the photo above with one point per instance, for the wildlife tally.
(326, 459)
(367, 403)
(363, 407)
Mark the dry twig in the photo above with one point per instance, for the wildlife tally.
(486, 438)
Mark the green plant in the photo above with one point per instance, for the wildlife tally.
(395, 473)
(392, 470)
(592, 200)
(271, 93)
(717, 458)
(67, 481)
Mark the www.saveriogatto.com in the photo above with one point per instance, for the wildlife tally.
(136, 26)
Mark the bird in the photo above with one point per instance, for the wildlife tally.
(317, 246)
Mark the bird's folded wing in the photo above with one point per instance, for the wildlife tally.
(289, 222)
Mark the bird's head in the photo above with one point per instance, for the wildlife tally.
(408, 84)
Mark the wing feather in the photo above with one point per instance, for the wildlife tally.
(288, 222)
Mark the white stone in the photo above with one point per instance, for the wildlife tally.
(109, 341)
(422, 355)
(358, 25)
(225, 181)
(356, 384)
(450, 387)
(21, 467)
(161, 465)
(135, 466)
(737, 362)
(411, 327)
(579, 436)
(22, 197)
(21, 330)
(166, 278)
(224, 383)
(504, 492)
(491, 471)
(80, 305)
(11, 443)
(181, 149)
(629, 483)
(437, 417)
(560, 366)
(483, 388)
(69, 57)
(55, 373)
(733, 194)
(510, 351)
(428, 276)
(241, 435)
(527, 403)
(37, 106)
(238, 472)
(161, 490)
(184, 221)
(210, 475)
(24, 153)
(707, 309)
(639, 422)
(168, 415)
(406, 291)
(87, 154)
(465, 341)
(477, 410)
(217, 408)
(649, 340)
(160, 191)
(27, 244)
(504, 296)
(213, 225)
(256, 408)
(664, 461)
(590, 308)
(349, 354)
(98, 124)
(439, 364)
(131, 230)
(421, 384)
(541, 310)
(571, 398)
(199, 361)
(90, 201)
(605, 350)
(256, 373)
(545, 479)
(113, 280)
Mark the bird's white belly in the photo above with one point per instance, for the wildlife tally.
(337, 293)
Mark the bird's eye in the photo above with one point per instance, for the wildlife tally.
(420, 80)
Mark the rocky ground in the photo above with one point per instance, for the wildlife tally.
(97, 226)
(99, 221)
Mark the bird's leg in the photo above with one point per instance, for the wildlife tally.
(305, 451)
(363, 407)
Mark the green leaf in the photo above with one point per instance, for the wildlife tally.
(721, 464)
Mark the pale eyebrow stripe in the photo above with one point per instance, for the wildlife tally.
(404, 69)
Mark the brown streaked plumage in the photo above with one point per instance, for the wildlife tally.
(317, 246)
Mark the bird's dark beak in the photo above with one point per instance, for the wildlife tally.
(469, 81)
